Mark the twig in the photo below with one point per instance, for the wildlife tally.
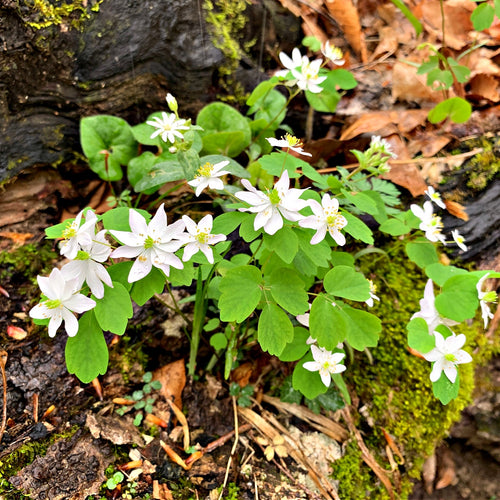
(3, 362)
(233, 449)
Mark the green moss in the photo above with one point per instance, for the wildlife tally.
(484, 166)
(11, 464)
(227, 20)
(395, 389)
(28, 260)
(47, 13)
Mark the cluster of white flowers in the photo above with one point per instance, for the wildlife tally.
(448, 351)
(431, 223)
(152, 244)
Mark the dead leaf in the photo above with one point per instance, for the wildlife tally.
(16, 332)
(486, 87)
(241, 375)
(429, 473)
(173, 380)
(446, 469)
(456, 209)
(346, 15)
(407, 86)
(429, 144)
(117, 429)
(17, 238)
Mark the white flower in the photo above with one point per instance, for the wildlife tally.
(435, 197)
(429, 223)
(373, 289)
(484, 298)
(446, 355)
(168, 127)
(76, 235)
(172, 103)
(199, 237)
(87, 266)
(326, 363)
(279, 201)
(208, 176)
(459, 239)
(288, 142)
(326, 218)
(62, 300)
(289, 64)
(308, 75)
(428, 311)
(382, 146)
(333, 53)
(153, 244)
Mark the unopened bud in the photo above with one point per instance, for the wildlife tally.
(172, 103)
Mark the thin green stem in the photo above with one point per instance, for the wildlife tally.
(200, 309)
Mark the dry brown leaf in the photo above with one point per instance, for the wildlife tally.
(456, 209)
(173, 380)
(388, 42)
(241, 375)
(17, 238)
(16, 332)
(408, 86)
(428, 144)
(429, 473)
(292, 7)
(486, 87)
(457, 17)
(346, 15)
(405, 174)
(446, 469)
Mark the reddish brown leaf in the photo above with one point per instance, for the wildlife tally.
(456, 209)
(16, 333)
(173, 380)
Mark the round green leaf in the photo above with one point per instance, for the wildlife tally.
(455, 108)
(275, 329)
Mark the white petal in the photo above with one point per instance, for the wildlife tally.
(436, 370)
(70, 322)
(189, 250)
(325, 377)
(128, 238)
(137, 223)
(319, 236)
(274, 224)
(127, 251)
(40, 311)
(450, 370)
(140, 269)
(55, 321)
(311, 366)
(79, 303)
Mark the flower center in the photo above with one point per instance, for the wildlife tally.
(373, 287)
(327, 366)
(436, 222)
(489, 297)
(274, 196)
(149, 242)
(205, 170)
(450, 357)
(70, 231)
(292, 141)
(202, 237)
(53, 303)
(81, 255)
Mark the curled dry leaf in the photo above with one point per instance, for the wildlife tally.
(16, 332)
(456, 209)
(173, 380)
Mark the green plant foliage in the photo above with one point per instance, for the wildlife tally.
(455, 108)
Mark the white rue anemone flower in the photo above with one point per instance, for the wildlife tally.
(153, 244)
(168, 127)
(77, 235)
(62, 300)
(428, 311)
(325, 363)
(382, 146)
(307, 75)
(435, 197)
(199, 238)
(484, 299)
(333, 53)
(459, 240)
(281, 201)
(288, 142)
(87, 266)
(373, 289)
(208, 176)
(429, 223)
(326, 218)
(446, 355)
(289, 64)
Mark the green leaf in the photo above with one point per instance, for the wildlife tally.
(362, 201)
(456, 108)
(108, 143)
(297, 347)
(119, 272)
(417, 25)
(287, 393)
(497, 8)
(444, 390)
(275, 329)
(326, 323)
(181, 277)
(422, 252)
(312, 42)
(287, 289)
(225, 130)
(344, 281)
(87, 353)
(342, 259)
(145, 288)
(241, 293)
(459, 299)
(326, 101)
(482, 16)
(439, 273)
(318, 254)
(140, 167)
(276, 162)
(228, 222)
(190, 163)
(332, 399)
(114, 309)
(271, 108)
(362, 328)
(358, 229)
(284, 242)
(394, 227)
(160, 173)
(340, 383)
(419, 337)
(260, 91)
(462, 73)
(308, 383)
(247, 231)
(218, 341)
(342, 78)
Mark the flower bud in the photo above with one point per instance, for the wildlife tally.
(172, 103)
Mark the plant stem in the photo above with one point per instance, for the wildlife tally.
(200, 308)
